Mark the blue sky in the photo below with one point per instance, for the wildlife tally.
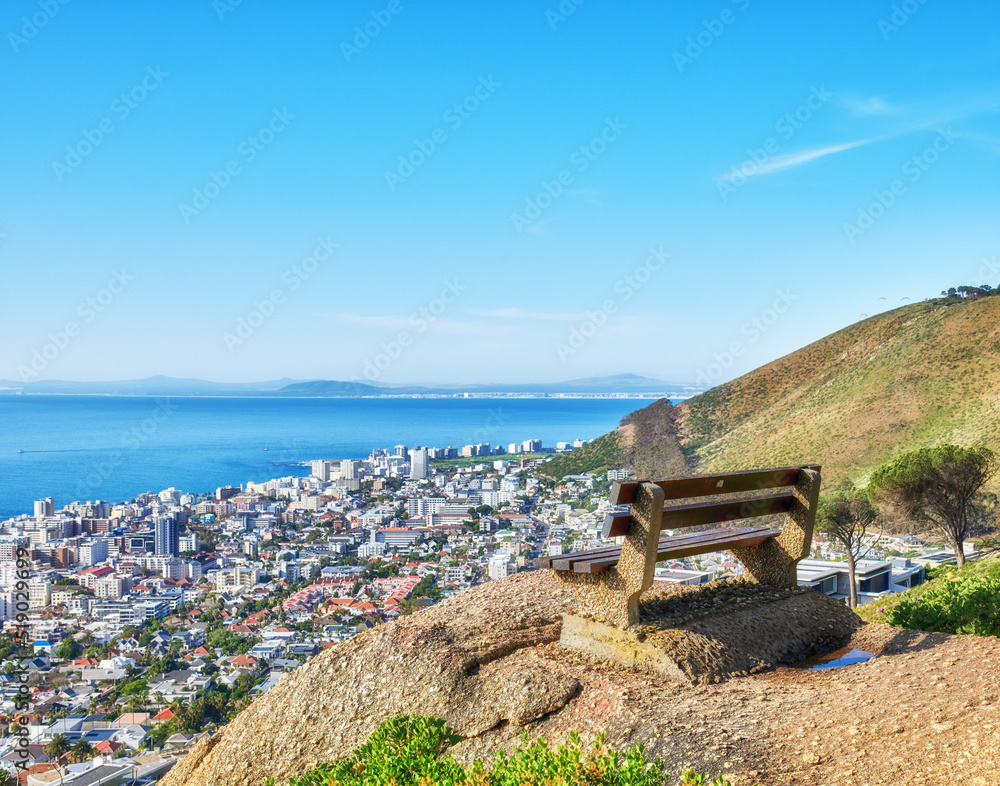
(500, 191)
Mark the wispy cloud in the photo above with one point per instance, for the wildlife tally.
(790, 160)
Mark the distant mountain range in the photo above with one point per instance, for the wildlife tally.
(919, 375)
(159, 385)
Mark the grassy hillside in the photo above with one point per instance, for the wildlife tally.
(913, 377)
(916, 376)
(645, 442)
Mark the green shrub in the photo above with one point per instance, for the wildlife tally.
(410, 750)
(959, 604)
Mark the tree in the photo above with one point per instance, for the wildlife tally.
(57, 746)
(69, 649)
(845, 516)
(938, 485)
(82, 750)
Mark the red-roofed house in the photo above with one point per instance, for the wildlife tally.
(163, 716)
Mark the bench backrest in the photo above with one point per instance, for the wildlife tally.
(725, 510)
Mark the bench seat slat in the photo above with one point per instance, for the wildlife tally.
(701, 513)
(676, 547)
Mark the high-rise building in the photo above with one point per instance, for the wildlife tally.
(400, 450)
(349, 469)
(531, 445)
(418, 463)
(44, 507)
(166, 540)
(321, 470)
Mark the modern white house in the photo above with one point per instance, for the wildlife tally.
(874, 578)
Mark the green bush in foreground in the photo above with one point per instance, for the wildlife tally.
(410, 751)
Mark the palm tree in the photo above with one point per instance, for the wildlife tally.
(82, 750)
(57, 746)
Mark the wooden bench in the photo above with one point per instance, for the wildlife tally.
(609, 580)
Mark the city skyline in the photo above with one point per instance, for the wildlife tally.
(392, 192)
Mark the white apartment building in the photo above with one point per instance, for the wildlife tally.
(397, 537)
(8, 547)
(369, 550)
(237, 577)
(109, 587)
(92, 552)
(174, 570)
(500, 566)
(321, 470)
(421, 506)
(39, 594)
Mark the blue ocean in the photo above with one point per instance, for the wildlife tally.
(78, 448)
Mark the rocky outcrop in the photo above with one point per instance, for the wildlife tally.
(487, 661)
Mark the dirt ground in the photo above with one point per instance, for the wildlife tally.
(924, 712)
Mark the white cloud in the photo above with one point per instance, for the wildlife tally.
(790, 160)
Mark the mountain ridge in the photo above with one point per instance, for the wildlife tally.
(163, 385)
(915, 376)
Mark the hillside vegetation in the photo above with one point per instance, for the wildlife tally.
(917, 376)
(962, 600)
(412, 750)
(645, 442)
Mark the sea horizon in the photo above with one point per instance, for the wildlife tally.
(113, 447)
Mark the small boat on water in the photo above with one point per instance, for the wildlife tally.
(20, 451)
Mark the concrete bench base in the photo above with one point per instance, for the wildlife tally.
(784, 628)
